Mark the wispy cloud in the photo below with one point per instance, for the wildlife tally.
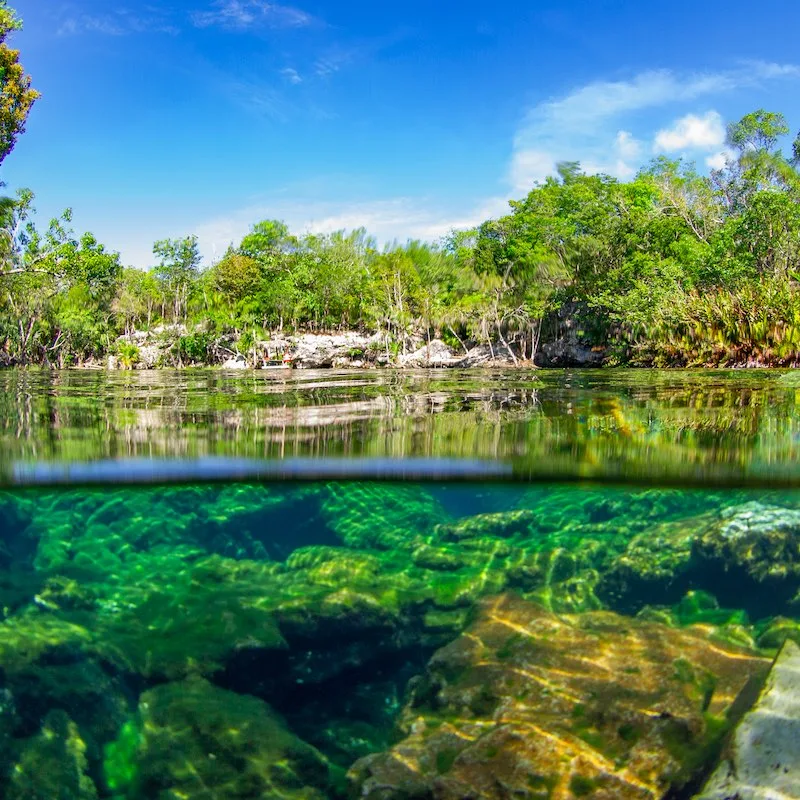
(259, 99)
(585, 123)
(120, 22)
(240, 15)
(291, 75)
(388, 219)
(333, 59)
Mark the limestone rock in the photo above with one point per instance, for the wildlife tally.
(529, 704)
(483, 355)
(434, 354)
(763, 762)
(569, 352)
(572, 347)
(751, 551)
(234, 363)
(316, 351)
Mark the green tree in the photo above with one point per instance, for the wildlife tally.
(177, 270)
(16, 95)
(137, 297)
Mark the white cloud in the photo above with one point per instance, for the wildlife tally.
(692, 132)
(584, 124)
(719, 160)
(244, 14)
(291, 75)
(627, 146)
(529, 167)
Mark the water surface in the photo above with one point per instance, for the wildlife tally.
(686, 426)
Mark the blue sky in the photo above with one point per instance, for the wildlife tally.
(410, 118)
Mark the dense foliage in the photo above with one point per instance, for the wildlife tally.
(16, 95)
(670, 268)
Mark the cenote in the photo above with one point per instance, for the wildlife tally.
(439, 584)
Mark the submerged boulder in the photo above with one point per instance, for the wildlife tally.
(195, 741)
(52, 765)
(503, 524)
(763, 759)
(654, 568)
(529, 704)
(750, 557)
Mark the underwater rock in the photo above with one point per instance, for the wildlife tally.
(48, 664)
(52, 765)
(195, 741)
(18, 588)
(33, 635)
(196, 623)
(652, 570)
(105, 531)
(776, 631)
(746, 555)
(15, 515)
(95, 700)
(750, 557)
(381, 516)
(529, 704)
(763, 758)
(503, 524)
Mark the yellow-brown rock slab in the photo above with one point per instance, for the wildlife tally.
(527, 704)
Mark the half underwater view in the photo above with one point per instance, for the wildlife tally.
(397, 585)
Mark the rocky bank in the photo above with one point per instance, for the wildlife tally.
(176, 345)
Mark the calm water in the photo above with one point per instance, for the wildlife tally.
(389, 585)
(696, 427)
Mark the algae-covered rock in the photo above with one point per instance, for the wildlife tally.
(774, 632)
(750, 556)
(52, 765)
(763, 758)
(105, 529)
(503, 524)
(31, 635)
(654, 568)
(380, 516)
(194, 624)
(194, 741)
(529, 704)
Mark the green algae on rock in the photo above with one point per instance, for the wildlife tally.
(195, 741)
(52, 764)
(322, 601)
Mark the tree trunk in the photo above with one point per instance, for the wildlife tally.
(505, 344)
(450, 328)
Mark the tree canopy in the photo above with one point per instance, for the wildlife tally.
(16, 95)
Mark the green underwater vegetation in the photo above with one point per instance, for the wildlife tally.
(273, 640)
